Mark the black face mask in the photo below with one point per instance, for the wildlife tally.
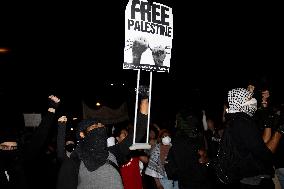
(93, 149)
(8, 157)
(70, 147)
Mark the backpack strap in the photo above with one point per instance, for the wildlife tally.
(113, 164)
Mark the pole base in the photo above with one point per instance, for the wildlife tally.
(139, 146)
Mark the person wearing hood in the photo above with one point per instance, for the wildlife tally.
(94, 165)
(256, 170)
(19, 162)
(186, 161)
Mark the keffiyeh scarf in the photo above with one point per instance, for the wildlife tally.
(240, 100)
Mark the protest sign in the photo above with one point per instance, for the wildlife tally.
(148, 36)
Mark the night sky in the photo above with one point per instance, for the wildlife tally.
(75, 50)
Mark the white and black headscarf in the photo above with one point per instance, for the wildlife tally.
(240, 100)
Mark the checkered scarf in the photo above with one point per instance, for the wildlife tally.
(240, 100)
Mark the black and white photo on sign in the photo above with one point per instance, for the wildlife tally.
(148, 36)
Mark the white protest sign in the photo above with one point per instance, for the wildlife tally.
(32, 120)
(148, 36)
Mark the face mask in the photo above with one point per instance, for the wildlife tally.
(70, 147)
(250, 106)
(93, 149)
(8, 157)
(166, 140)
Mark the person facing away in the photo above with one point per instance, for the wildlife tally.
(256, 168)
(19, 162)
(94, 165)
(186, 161)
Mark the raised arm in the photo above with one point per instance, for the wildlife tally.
(61, 132)
(121, 150)
(274, 141)
(40, 136)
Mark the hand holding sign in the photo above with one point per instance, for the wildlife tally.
(144, 105)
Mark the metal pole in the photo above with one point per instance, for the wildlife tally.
(149, 106)
(136, 106)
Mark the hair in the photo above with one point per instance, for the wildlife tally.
(155, 131)
(162, 132)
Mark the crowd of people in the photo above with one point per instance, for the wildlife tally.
(89, 156)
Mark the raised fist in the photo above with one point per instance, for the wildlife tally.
(53, 102)
(140, 45)
(62, 120)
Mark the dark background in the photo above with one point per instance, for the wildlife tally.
(75, 50)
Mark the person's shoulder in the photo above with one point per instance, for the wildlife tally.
(239, 117)
(180, 140)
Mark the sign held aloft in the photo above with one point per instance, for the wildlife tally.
(148, 36)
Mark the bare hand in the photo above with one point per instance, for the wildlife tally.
(62, 120)
(53, 103)
(54, 98)
(203, 156)
(144, 106)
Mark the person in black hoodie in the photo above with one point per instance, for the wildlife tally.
(186, 161)
(94, 165)
(256, 169)
(17, 160)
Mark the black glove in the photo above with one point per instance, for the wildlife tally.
(268, 121)
(281, 128)
(143, 92)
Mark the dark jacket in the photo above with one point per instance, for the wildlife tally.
(249, 142)
(183, 163)
(68, 174)
(24, 169)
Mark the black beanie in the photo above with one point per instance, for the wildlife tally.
(84, 124)
(9, 135)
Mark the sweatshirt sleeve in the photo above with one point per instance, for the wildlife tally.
(61, 131)
(121, 150)
(33, 148)
(253, 141)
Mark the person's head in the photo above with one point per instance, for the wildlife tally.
(164, 137)
(70, 145)
(92, 147)
(153, 133)
(122, 135)
(240, 100)
(251, 88)
(8, 139)
(265, 94)
(12, 145)
(8, 147)
(70, 141)
(188, 123)
(88, 125)
(210, 124)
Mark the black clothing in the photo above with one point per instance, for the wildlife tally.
(93, 149)
(26, 170)
(249, 142)
(68, 174)
(183, 156)
(213, 139)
